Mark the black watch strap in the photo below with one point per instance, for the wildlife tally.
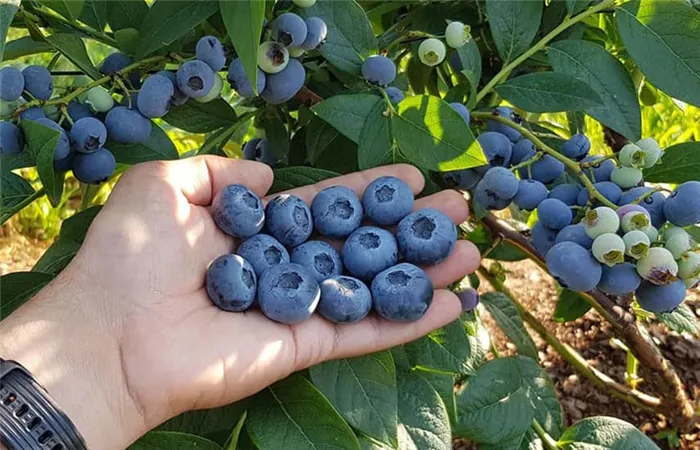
(29, 418)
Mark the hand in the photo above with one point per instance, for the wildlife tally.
(126, 337)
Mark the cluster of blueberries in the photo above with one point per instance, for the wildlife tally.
(641, 247)
(288, 277)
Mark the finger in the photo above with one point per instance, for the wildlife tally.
(463, 260)
(449, 202)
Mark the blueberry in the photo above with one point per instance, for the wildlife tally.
(77, 110)
(195, 79)
(626, 177)
(456, 62)
(395, 95)
(654, 204)
(261, 151)
(508, 113)
(637, 244)
(689, 266)
(469, 298)
(33, 113)
(496, 190)
(231, 283)
(543, 238)
(544, 170)
(426, 236)
(304, 3)
(316, 32)
(283, 86)
(530, 194)
(497, 148)
(127, 125)
(289, 30)
(431, 52)
(210, 50)
(11, 83)
(554, 214)
(402, 293)
(567, 193)
(263, 251)
(623, 210)
(600, 170)
(682, 207)
(652, 151)
(99, 99)
(88, 135)
(337, 212)
(368, 251)
(238, 211)
(64, 164)
(322, 260)
(462, 111)
(621, 279)
(378, 69)
(632, 156)
(635, 220)
(11, 139)
(62, 148)
(456, 34)
(344, 299)
(573, 266)
(658, 266)
(609, 249)
(575, 233)
(288, 293)
(523, 151)
(179, 98)
(38, 82)
(577, 147)
(118, 61)
(215, 91)
(679, 244)
(608, 189)
(601, 220)
(387, 200)
(464, 179)
(239, 80)
(94, 168)
(155, 96)
(273, 57)
(661, 299)
(289, 220)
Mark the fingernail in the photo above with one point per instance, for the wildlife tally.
(469, 299)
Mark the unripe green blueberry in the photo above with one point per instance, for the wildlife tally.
(296, 52)
(635, 220)
(609, 249)
(626, 177)
(632, 156)
(658, 267)
(215, 90)
(52, 112)
(691, 283)
(652, 151)
(601, 220)
(99, 99)
(652, 233)
(678, 245)
(7, 108)
(272, 57)
(431, 52)
(689, 266)
(304, 3)
(456, 34)
(672, 231)
(636, 244)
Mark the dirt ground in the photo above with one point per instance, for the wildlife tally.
(589, 335)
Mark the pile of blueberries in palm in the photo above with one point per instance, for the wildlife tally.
(641, 247)
(288, 277)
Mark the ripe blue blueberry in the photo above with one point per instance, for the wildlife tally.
(661, 299)
(402, 293)
(608, 189)
(94, 168)
(462, 111)
(575, 233)
(554, 214)
(508, 113)
(288, 293)
(88, 135)
(368, 251)
(573, 266)
(64, 164)
(283, 86)
(469, 298)
(38, 82)
(210, 50)
(289, 30)
(456, 62)
(387, 200)
(117, 61)
(77, 110)
(658, 266)
(316, 32)
(127, 125)
(543, 238)
(238, 211)
(621, 279)
(344, 299)
(609, 249)
(263, 251)
(544, 170)
(577, 147)
(378, 69)
(654, 204)
(33, 113)
(464, 179)
(239, 80)
(497, 148)
(62, 148)
(11, 83)
(601, 220)
(530, 194)
(11, 139)
(321, 260)
(231, 283)
(179, 98)
(496, 189)
(260, 150)
(567, 193)
(337, 212)
(682, 207)
(155, 96)
(426, 236)
(289, 220)
(194, 78)
(523, 150)
(600, 170)
(395, 95)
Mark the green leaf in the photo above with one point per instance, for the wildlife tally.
(570, 306)
(69, 240)
(318, 137)
(509, 320)
(434, 136)
(606, 433)
(7, 13)
(197, 117)
(593, 65)
(244, 23)
(663, 38)
(127, 40)
(126, 13)
(444, 385)
(24, 46)
(236, 433)
(543, 92)
(376, 147)
(70, 9)
(169, 20)
(95, 14)
(507, 252)
(215, 424)
(293, 177)
(215, 143)
(292, 414)
(347, 113)
(514, 25)
(41, 143)
(166, 440)
(157, 147)
(350, 36)
(73, 48)
(18, 287)
(423, 420)
(680, 320)
(679, 163)
(363, 390)
(277, 135)
(470, 58)
(575, 6)
(14, 190)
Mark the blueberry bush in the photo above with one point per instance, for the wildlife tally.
(532, 109)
